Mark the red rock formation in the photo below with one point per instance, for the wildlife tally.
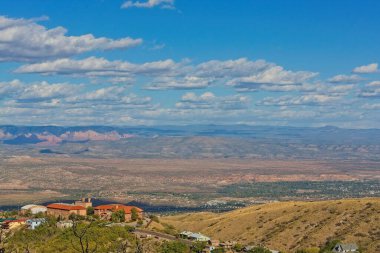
(5, 136)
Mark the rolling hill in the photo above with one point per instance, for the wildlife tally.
(287, 226)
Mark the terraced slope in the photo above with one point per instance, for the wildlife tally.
(287, 226)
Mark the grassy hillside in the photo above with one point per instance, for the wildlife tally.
(287, 226)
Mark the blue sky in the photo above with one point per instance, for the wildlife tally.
(298, 63)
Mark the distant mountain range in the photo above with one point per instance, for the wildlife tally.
(47, 138)
(51, 135)
(195, 141)
(54, 135)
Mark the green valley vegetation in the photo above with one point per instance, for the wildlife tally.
(303, 189)
(85, 236)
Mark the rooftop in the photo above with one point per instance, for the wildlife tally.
(347, 246)
(32, 206)
(64, 206)
(194, 235)
(14, 221)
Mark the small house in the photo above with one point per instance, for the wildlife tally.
(345, 247)
(198, 237)
(33, 223)
(185, 234)
(64, 224)
(248, 248)
(13, 224)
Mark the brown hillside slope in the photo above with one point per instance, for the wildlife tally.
(287, 226)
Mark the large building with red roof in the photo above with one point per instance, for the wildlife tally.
(64, 210)
(105, 211)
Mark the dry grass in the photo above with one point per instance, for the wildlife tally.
(287, 226)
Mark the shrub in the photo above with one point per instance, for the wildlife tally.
(154, 218)
(174, 247)
(308, 250)
(198, 247)
(218, 250)
(259, 250)
(238, 247)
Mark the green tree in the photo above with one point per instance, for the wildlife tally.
(218, 250)
(198, 246)
(134, 214)
(39, 215)
(83, 238)
(2, 239)
(174, 247)
(27, 213)
(118, 216)
(123, 247)
(10, 214)
(90, 210)
(238, 247)
(76, 217)
(139, 246)
(329, 245)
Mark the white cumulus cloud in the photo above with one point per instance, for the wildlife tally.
(366, 69)
(182, 83)
(345, 79)
(26, 40)
(93, 66)
(208, 100)
(309, 99)
(273, 75)
(164, 4)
